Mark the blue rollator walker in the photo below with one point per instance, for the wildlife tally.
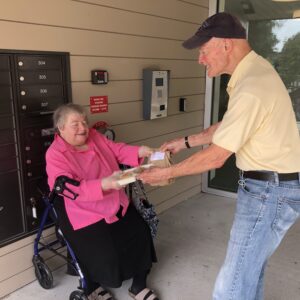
(42, 271)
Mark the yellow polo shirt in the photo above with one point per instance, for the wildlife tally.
(259, 125)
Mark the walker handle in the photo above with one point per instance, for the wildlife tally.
(60, 186)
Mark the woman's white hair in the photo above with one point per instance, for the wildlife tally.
(60, 114)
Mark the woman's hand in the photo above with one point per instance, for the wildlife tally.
(145, 151)
(111, 182)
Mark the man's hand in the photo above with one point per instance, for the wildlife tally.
(207, 159)
(145, 151)
(154, 176)
(111, 182)
(174, 146)
(199, 139)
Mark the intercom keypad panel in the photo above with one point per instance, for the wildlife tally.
(155, 93)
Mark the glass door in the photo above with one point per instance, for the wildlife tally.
(273, 29)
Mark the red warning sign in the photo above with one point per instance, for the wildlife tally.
(98, 104)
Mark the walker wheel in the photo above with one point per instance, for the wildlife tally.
(43, 273)
(78, 295)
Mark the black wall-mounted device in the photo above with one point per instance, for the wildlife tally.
(99, 77)
(182, 104)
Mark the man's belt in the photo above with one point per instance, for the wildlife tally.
(270, 176)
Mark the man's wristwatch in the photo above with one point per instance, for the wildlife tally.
(186, 141)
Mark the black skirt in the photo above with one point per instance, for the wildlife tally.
(108, 254)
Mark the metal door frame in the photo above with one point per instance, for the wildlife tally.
(213, 8)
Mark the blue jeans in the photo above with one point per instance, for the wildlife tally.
(264, 213)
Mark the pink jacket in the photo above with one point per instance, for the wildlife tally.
(89, 166)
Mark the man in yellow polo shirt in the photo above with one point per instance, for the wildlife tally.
(259, 126)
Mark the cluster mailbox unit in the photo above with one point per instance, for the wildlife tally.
(32, 85)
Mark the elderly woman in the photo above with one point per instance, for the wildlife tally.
(110, 239)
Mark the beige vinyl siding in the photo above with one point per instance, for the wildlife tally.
(122, 37)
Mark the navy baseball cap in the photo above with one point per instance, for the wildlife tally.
(220, 25)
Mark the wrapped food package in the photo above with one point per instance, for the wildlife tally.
(129, 175)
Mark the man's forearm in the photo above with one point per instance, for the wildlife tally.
(204, 137)
(210, 158)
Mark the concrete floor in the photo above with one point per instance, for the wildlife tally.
(191, 246)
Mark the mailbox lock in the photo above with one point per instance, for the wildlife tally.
(47, 144)
(44, 104)
(33, 203)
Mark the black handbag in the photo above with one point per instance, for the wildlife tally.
(139, 199)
